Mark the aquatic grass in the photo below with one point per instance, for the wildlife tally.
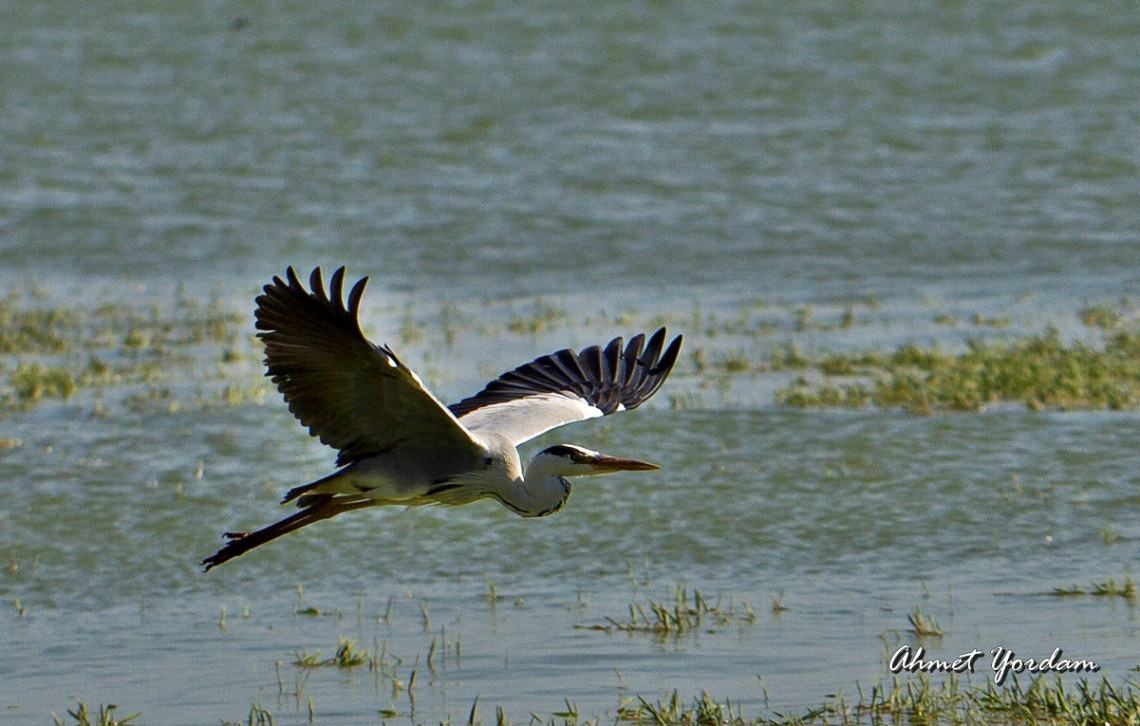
(1110, 588)
(996, 321)
(1038, 371)
(703, 711)
(681, 616)
(452, 320)
(847, 319)
(913, 701)
(51, 353)
(311, 611)
(802, 394)
(849, 364)
(735, 363)
(152, 399)
(35, 330)
(803, 319)
(543, 318)
(1101, 316)
(32, 382)
(105, 716)
(346, 656)
(233, 395)
(778, 606)
(1111, 535)
(492, 596)
(918, 701)
(787, 356)
(1126, 590)
(748, 321)
(411, 331)
(305, 659)
(924, 625)
(686, 401)
(258, 716)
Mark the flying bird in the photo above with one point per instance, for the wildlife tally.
(398, 445)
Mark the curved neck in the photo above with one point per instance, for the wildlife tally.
(540, 492)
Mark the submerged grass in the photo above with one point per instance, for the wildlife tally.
(917, 701)
(681, 616)
(920, 702)
(1039, 371)
(53, 352)
(924, 625)
(1109, 588)
(347, 656)
(152, 351)
(105, 716)
(258, 716)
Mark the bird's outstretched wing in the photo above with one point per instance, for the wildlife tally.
(355, 396)
(566, 386)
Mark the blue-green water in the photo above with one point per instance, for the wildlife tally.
(699, 164)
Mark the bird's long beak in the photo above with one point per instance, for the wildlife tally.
(605, 464)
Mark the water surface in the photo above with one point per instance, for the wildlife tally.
(620, 166)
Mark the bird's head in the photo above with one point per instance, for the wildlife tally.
(571, 460)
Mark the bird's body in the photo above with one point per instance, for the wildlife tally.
(398, 445)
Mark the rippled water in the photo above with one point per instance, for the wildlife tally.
(621, 165)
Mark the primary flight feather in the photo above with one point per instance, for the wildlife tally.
(397, 444)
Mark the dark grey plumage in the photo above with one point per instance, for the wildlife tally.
(610, 380)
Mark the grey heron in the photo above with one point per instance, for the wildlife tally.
(398, 445)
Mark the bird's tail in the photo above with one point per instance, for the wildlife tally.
(238, 543)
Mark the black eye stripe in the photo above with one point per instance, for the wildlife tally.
(563, 450)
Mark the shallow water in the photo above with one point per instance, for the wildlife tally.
(588, 171)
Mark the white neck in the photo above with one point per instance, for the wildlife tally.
(541, 491)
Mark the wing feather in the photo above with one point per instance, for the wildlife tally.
(566, 386)
(653, 360)
(629, 360)
(355, 396)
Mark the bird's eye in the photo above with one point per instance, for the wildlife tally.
(564, 450)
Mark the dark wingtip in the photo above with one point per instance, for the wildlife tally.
(317, 285)
(336, 287)
(356, 294)
(669, 358)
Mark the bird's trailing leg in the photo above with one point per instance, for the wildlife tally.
(238, 543)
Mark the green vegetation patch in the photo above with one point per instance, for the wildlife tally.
(919, 702)
(33, 381)
(924, 625)
(915, 701)
(105, 717)
(54, 352)
(1109, 588)
(683, 615)
(1039, 371)
(347, 656)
